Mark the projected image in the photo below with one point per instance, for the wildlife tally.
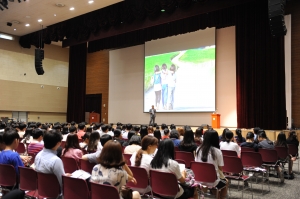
(182, 81)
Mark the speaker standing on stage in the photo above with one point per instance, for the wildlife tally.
(152, 112)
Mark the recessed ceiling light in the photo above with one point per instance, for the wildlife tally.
(15, 29)
(54, 15)
(91, 2)
(72, 8)
(40, 20)
(28, 17)
(27, 24)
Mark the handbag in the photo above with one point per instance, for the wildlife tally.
(126, 192)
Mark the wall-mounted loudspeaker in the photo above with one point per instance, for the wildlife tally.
(39, 56)
(276, 17)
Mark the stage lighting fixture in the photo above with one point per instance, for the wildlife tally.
(4, 3)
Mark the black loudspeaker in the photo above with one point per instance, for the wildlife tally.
(276, 10)
(39, 56)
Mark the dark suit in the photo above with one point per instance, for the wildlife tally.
(152, 116)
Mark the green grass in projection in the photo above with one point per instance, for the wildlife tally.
(198, 55)
(159, 60)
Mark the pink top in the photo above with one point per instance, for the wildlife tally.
(35, 147)
(80, 133)
(73, 153)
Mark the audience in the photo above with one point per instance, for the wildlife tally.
(37, 143)
(134, 144)
(126, 142)
(250, 142)
(125, 133)
(21, 129)
(229, 144)
(264, 142)
(150, 131)
(157, 134)
(110, 169)
(85, 138)
(72, 148)
(143, 131)
(198, 135)
(118, 136)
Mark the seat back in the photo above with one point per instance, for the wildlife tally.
(204, 172)
(232, 164)
(282, 152)
(75, 188)
(293, 149)
(70, 164)
(8, 175)
(244, 149)
(141, 177)
(21, 148)
(268, 155)
(251, 159)
(229, 153)
(48, 185)
(28, 179)
(102, 191)
(86, 165)
(188, 157)
(127, 158)
(163, 183)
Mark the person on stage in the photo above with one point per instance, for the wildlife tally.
(152, 112)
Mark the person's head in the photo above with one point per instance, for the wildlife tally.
(28, 132)
(152, 106)
(150, 130)
(199, 132)
(104, 128)
(130, 134)
(135, 139)
(292, 135)
(143, 131)
(210, 141)
(97, 126)
(156, 68)
(174, 134)
(163, 126)
(281, 139)
(154, 125)
(81, 126)
(157, 134)
(32, 125)
(164, 67)
(2, 144)
(89, 129)
(238, 132)
(172, 126)
(149, 145)
(262, 135)
(128, 127)
(57, 127)
(111, 155)
(71, 142)
(2, 125)
(11, 138)
(173, 68)
(164, 152)
(93, 141)
(255, 130)
(180, 131)
(72, 129)
(52, 139)
(104, 138)
(109, 127)
(22, 126)
(73, 123)
(86, 137)
(37, 134)
(137, 129)
(166, 132)
(65, 130)
(38, 125)
(45, 127)
(188, 138)
(117, 133)
(228, 136)
(250, 136)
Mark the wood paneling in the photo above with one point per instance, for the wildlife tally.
(293, 8)
(20, 96)
(97, 75)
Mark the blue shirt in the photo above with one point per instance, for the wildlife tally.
(12, 158)
(46, 161)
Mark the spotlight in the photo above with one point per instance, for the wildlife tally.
(9, 24)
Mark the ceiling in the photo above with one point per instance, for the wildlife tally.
(29, 11)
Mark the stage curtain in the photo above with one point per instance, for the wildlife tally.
(77, 83)
(260, 70)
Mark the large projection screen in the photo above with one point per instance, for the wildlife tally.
(179, 70)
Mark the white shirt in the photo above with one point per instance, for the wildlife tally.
(231, 146)
(130, 149)
(65, 137)
(145, 162)
(109, 133)
(125, 135)
(217, 162)
(21, 133)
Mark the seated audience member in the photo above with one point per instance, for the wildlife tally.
(166, 134)
(110, 130)
(46, 161)
(27, 137)
(209, 152)
(83, 145)
(104, 130)
(174, 136)
(94, 143)
(110, 169)
(163, 127)
(2, 145)
(118, 136)
(134, 144)
(181, 133)
(222, 138)
(198, 135)
(150, 131)
(92, 157)
(126, 131)
(264, 142)
(255, 130)
(172, 126)
(65, 133)
(157, 134)
(281, 142)
(72, 148)
(2, 126)
(81, 130)
(250, 142)
(126, 142)
(144, 156)
(143, 131)
(239, 138)
(164, 161)
(292, 139)
(7, 155)
(229, 144)
(21, 129)
(37, 144)
(188, 143)
(137, 130)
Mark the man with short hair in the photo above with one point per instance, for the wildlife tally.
(81, 131)
(37, 144)
(46, 160)
(21, 129)
(125, 133)
(152, 112)
(38, 125)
